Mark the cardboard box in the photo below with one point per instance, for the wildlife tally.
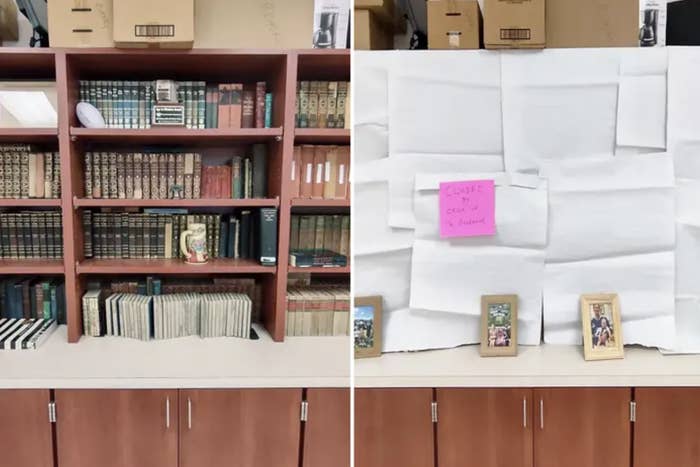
(270, 24)
(371, 33)
(454, 24)
(9, 28)
(514, 24)
(80, 23)
(600, 23)
(154, 23)
(384, 10)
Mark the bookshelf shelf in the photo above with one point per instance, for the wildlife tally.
(31, 266)
(28, 135)
(320, 203)
(30, 203)
(175, 203)
(343, 270)
(171, 266)
(176, 135)
(321, 136)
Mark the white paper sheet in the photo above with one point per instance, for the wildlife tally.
(683, 95)
(371, 142)
(558, 104)
(686, 159)
(687, 327)
(410, 330)
(386, 274)
(451, 278)
(442, 102)
(370, 91)
(402, 178)
(521, 209)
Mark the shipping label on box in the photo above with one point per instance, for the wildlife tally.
(513, 24)
(652, 23)
(331, 24)
(162, 23)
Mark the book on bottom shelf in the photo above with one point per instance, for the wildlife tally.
(25, 334)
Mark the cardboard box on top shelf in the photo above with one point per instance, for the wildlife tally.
(371, 33)
(514, 24)
(454, 24)
(272, 24)
(599, 23)
(384, 10)
(80, 23)
(9, 28)
(154, 23)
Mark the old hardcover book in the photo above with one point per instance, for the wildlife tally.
(295, 175)
(336, 228)
(188, 174)
(35, 234)
(121, 176)
(247, 178)
(268, 110)
(201, 87)
(3, 158)
(97, 175)
(236, 106)
(87, 233)
(320, 232)
(24, 175)
(129, 176)
(345, 236)
(223, 116)
(56, 176)
(328, 233)
(297, 107)
(267, 241)
(224, 181)
(260, 89)
(294, 232)
(179, 172)
(104, 174)
(45, 226)
(330, 173)
(197, 177)
(307, 231)
(138, 174)
(133, 234)
(332, 104)
(159, 167)
(49, 163)
(248, 108)
(304, 90)
(307, 171)
(259, 170)
(342, 190)
(322, 117)
(343, 89)
(146, 178)
(236, 178)
(166, 188)
(32, 176)
(112, 175)
(319, 166)
(314, 88)
(124, 235)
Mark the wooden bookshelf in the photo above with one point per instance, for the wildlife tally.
(342, 270)
(320, 203)
(280, 68)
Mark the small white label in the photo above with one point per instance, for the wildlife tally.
(341, 174)
(319, 173)
(294, 170)
(327, 178)
(309, 172)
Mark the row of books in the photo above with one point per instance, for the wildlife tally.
(155, 233)
(242, 178)
(25, 174)
(167, 316)
(321, 172)
(318, 311)
(25, 334)
(31, 234)
(321, 232)
(129, 104)
(323, 104)
(33, 298)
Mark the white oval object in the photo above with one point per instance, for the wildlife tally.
(89, 116)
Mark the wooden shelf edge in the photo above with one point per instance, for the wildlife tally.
(28, 135)
(342, 270)
(32, 202)
(176, 132)
(321, 136)
(320, 203)
(176, 203)
(170, 266)
(31, 266)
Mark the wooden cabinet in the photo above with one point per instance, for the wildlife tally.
(116, 428)
(327, 429)
(666, 431)
(582, 427)
(393, 427)
(484, 427)
(25, 430)
(242, 427)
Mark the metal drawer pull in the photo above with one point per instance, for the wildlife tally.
(167, 412)
(189, 413)
(524, 412)
(541, 414)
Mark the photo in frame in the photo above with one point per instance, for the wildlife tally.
(367, 326)
(499, 325)
(602, 327)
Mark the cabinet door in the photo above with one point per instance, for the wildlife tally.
(666, 431)
(484, 427)
(241, 427)
(393, 427)
(116, 428)
(25, 430)
(582, 427)
(327, 430)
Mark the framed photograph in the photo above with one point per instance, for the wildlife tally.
(367, 325)
(602, 327)
(499, 325)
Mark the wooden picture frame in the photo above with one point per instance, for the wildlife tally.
(367, 326)
(499, 340)
(602, 327)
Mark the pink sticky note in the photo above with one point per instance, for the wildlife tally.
(467, 209)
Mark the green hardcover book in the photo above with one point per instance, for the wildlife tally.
(314, 90)
(304, 104)
(268, 110)
(332, 103)
(134, 104)
(320, 231)
(294, 232)
(46, 289)
(149, 102)
(340, 104)
(236, 178)
(201, 104)
(189, 104)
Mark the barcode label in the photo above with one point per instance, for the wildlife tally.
(154, 30)
(515, 34)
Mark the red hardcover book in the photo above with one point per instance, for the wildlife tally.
(307, 171)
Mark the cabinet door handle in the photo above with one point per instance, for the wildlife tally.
(524, 412)
(167, 412)
(189, 413)
(541, 414)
